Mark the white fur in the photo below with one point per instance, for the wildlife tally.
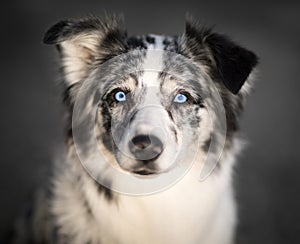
(189, 212)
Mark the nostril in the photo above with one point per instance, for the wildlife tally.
(141, 141)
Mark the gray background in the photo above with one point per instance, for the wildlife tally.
(267, 178)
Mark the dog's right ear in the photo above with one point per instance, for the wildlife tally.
(85, 43)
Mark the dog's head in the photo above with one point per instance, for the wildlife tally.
(154, 94)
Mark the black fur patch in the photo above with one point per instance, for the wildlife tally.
(112, 45)
(136, 42)
(206, 144)
(166, 42)
(233, 62)
(66, 29)
(58, 31)
(108, 194)
(150, 39)
(171, 44)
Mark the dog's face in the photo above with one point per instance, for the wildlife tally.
(146, 118)
(149, 118)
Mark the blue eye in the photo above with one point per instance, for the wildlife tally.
(180, 98)
(120, 96)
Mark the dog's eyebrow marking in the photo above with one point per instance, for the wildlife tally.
(135, 78)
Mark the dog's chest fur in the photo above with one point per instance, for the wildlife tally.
(189, 212)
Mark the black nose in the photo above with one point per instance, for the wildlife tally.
(146, 147)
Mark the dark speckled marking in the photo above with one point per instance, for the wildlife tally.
(194, 121)
(166, 42)
(171, 44)
(174, 132)
(132, 118)
(88, 208)
(206, 144)
(108, 194)
(170, 115)
(136, 42)
(106, 122)
(150, 39)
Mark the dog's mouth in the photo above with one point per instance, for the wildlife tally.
(144, 171)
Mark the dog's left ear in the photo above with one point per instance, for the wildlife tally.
(232, 62)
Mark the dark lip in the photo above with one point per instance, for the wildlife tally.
(152, 159)
(144, 172)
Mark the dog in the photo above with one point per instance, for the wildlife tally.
(163, 111)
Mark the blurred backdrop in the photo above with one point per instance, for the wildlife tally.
(267, 177)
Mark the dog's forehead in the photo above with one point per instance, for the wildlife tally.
(154, 60)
